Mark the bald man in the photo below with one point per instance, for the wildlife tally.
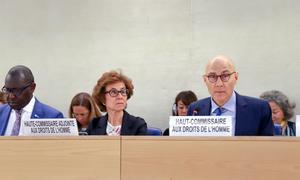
(21, 103)
(250, 116)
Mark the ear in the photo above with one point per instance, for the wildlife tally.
(236, 76)
(204, 78)
(32, 87)
(102, 99)
(174, 110)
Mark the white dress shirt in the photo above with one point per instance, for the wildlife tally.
(26, 114)
(230, 109)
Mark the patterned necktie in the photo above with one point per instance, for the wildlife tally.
(218, 111)
(17, 124)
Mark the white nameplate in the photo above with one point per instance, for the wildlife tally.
(297, 125)
(49, 127)
(200, 126)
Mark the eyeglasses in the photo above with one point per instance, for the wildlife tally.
(15, 91)
(114, 92)
(214, 77)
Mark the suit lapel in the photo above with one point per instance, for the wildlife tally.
(241, 111)
(205, 107)
(37, 110)
(102, 124)
(126, 124)
(4, 118)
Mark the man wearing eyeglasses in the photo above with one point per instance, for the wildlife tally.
(250, 116)
(21, 103)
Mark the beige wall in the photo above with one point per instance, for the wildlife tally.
(161, 44)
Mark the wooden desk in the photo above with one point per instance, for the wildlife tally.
(155, 158)
(188, 158)
(64, 158)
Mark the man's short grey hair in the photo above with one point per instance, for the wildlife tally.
(281, 100)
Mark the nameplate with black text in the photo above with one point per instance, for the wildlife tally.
(49, 127)
(200, 126)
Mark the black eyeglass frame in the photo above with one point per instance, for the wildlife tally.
(213, 78)
(15, 91)
(114, 92)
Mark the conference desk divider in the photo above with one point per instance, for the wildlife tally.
(139, 158)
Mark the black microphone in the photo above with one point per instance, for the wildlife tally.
(196, 111)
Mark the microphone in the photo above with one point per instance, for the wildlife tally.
(82, 133)
(196, 111)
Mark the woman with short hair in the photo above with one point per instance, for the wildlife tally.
(180, 106)
(111, 93)
(282, 112)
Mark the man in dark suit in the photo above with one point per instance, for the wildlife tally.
(21, 103)
(250, 116)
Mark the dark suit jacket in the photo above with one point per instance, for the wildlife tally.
(131, 125)
(40, 111)
(253, 116)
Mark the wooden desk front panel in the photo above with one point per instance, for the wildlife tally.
(171, 158)
(64, 158)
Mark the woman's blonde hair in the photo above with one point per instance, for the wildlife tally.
(85, 100)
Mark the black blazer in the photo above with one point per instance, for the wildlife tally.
(131, 125)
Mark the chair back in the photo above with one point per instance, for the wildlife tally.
(153, 131)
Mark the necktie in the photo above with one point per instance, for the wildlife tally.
(218, 111)
(17, 124)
